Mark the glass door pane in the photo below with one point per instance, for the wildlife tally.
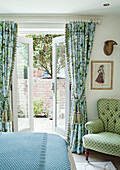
(61, 95)
(60, 91)
(23, 86)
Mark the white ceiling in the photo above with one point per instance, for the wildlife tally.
(82, 7)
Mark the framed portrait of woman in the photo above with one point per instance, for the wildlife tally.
(101, 75)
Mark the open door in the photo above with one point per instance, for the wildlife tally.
(23, 86)
(60, 86)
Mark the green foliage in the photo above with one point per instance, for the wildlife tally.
(38, 105)
(47, 111)
(20, 112)
(60, 63)
(42, 52)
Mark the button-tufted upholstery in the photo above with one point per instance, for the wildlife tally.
(104, 133)
(109, 113)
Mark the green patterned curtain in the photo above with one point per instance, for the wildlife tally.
(79, 42)
(8, 34)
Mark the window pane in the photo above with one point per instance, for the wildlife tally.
(60, 85)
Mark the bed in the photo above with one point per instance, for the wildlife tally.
(34, 151)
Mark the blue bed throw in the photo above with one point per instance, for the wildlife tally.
(33, 151)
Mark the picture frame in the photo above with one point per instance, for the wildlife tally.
(101, 75)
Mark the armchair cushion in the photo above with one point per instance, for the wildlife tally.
(105, 142)
(95, 126)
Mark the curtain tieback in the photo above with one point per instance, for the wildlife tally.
(6, 114)
(76, 96)
(77, 117)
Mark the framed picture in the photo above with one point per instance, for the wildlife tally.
(101, 75)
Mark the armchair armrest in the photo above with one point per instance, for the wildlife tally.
(94, 126)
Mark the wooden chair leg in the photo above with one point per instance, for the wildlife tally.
(86, 154)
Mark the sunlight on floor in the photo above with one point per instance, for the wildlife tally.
(42, 125)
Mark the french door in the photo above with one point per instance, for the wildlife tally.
(60, 86)
(22, 86)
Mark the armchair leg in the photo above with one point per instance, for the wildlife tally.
(86, 154)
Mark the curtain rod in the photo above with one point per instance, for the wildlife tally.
(9, 20)
(97, 21)
(50, 19)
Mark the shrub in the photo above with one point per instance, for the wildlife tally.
(38, 105)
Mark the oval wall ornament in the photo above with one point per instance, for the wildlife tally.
(108, 47)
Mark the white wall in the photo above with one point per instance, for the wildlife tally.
(108, 29)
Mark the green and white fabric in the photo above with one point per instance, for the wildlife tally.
(79, 42)
(95, 126)
(104, 133)
(8, 32)
(109, 113)
(105, 142)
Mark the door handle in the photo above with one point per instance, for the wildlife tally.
(53, 87)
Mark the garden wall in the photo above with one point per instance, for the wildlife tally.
(43, 88)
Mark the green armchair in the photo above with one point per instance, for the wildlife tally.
(104, 133)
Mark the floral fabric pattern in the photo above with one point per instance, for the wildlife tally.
(79, 42)
(8, 32)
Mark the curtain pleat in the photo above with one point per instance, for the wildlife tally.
(8, 36)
